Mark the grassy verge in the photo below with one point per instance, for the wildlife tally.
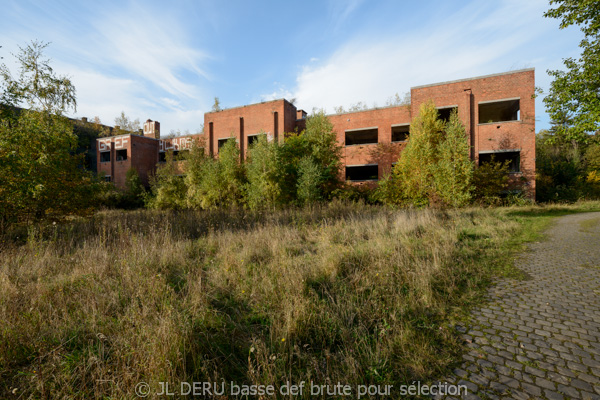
(339, 293)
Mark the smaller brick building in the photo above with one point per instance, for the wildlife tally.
(498, 112)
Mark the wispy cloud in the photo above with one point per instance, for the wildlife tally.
(476, 40)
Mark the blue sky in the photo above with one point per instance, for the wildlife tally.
(167, 60)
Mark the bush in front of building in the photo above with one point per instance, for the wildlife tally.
(434, 168)
(216, 182)
(303, 169)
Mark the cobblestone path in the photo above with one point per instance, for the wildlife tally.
(540, 337)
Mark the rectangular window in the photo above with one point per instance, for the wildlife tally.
(400, 133)
(221, 142)
(499, 111)
(121, 155)
(162, 156)
(513, 157)
(359, 173)
(105, 156)
(254, 138)
(444, 112)
(107, 178)
(361, 136)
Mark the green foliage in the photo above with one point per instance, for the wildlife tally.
(434, 166)
(219, 182)
(37, 85)
(452, 174)
(264, 172)
(135, 192)
(40, 174)
(126, 125)
(167, 186)
(573, 102)
(310, 179)
(319, 144)
(490, 182)
(305, 168)
(566, 169)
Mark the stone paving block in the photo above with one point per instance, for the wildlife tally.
(540, 337)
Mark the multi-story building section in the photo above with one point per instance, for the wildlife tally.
(498, 112)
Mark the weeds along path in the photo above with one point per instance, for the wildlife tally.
(540, 337)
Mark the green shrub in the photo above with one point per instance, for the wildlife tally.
(264, 172)
(216, 182)
(434, 167)
(490, 181)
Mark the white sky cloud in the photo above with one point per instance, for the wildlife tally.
(476, 40)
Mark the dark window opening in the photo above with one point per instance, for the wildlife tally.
(105, 156)
(362, 173)
(499, 111)
(512, 157)
(254, 138)
(400, 133)
(121, 155)
(444, 113)
(361, 136)
(107, 179)
(221, 143)
(162, 156)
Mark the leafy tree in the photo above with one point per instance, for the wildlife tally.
(167, 186)
(490, 181)
(219, 182)
(434, 166)
(453, 172)
(126, 125)
(40, 175)
(412, 181)
(265, 178)
(135, 191)
(217, 105)
(318, 142)
(573, 102)
(310, 178)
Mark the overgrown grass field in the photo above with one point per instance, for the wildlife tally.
(335, 293)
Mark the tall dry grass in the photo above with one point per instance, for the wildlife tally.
(336, 293)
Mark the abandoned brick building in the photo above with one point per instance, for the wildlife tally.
(498, 112)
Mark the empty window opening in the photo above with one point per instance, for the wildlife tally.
(221, 143)
(499, 111)
(162, 156)
(360, 173)
(107, 178)
(512, 157)
(121, 155)
(254, 138)
(445, 112)
(105, 156)
(400, 133)
(361, 136)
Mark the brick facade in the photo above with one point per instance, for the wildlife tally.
(375, 137)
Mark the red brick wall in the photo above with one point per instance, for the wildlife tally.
(257, 118)
(383, 153)
(467, 94)
(279, 116)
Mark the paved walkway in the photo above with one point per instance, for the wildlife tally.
(540, 337)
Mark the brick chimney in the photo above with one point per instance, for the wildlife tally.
(152, 129)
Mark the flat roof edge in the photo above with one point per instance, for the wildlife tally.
(474, 78)
(252, 104)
